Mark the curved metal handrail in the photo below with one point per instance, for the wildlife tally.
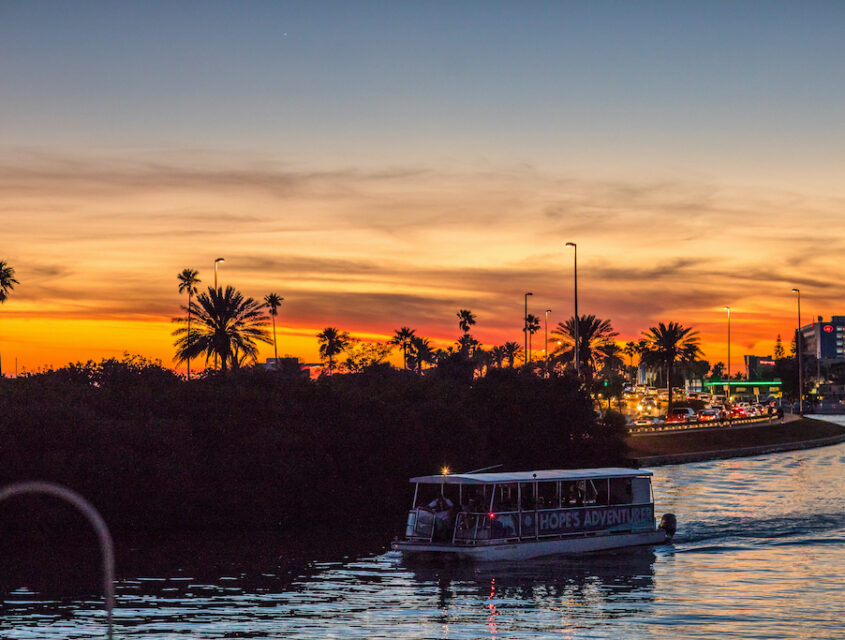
(93, 516)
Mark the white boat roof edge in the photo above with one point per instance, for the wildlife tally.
(532, 476)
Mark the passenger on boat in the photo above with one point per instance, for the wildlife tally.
(575, 499)
(444, 517)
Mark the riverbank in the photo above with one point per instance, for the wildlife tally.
(732, 442)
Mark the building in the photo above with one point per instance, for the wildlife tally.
(824, 340)
(757, 367)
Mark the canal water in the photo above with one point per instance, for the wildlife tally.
(760, 553)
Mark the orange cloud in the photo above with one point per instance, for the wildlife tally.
(97, 244)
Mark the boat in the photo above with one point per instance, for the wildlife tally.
(530, 514)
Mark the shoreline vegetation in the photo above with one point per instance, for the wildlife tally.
(264, 449)
(259, 449)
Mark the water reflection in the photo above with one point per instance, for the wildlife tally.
(562, 593)
(759, 554)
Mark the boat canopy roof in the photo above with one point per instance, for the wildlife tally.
(532, 476)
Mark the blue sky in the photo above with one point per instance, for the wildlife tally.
(576, 85)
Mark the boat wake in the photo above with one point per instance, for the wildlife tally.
(793, 529)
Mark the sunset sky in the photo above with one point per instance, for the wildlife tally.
(381, 164)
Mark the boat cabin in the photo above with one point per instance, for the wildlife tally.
(489, 508)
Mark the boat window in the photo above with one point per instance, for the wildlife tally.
(600, 489)
(572, 494)
(547, 495)
(429, 495)
(506, 498)
(589, 491)
(620, 491)
(641, 488)
(475, 499)
(526, 496)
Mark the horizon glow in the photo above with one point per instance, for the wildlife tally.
(384, 166)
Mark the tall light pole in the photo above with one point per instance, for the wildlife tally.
(546, 343)
(525, 327)
(800, 357)
(728, 395)
(216, 262)
(577, 321)
(728, 309)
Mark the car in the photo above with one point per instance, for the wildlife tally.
(738, 411)
(709, 415)
(646, 421)
(680, 415)
(646, 404)
(704, 396)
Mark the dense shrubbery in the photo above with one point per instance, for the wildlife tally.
(260, 448)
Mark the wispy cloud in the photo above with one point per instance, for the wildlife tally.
(371, 250)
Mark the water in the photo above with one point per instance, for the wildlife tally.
(760, 553)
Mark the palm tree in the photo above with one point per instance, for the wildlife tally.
(188, 281)
(7, 280)
(532, 326)
(668, 344)
(228, 326)
(466, 319)
(332, 342)
(498, 355)
(512, 350)
(467, 345)
(421, 352)
(402, 338)
(611, 359)
(273, 302)
(630, 350)
(594, 335)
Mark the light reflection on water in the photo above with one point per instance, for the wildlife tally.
(759, 554)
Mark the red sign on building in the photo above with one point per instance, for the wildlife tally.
(828, 328)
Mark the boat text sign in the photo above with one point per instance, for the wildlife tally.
(589, 519)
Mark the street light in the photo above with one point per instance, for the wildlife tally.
(728, 309)
(216, 262)
(525, 328)
(575, 272)
(546, 343)
(800, 357)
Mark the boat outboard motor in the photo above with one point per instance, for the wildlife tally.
(669, 524)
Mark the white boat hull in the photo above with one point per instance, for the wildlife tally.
(527, 549)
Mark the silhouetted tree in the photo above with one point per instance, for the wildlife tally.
(7, 280)
(532, 326)
(421, 352)
(332, 342)
(778, 352)
(188, 281)
(273, 302)
(668, 344)
(466, 319)
(595, 336)
(497, 356)
(402, 338)
(512, 351)
(227, 326)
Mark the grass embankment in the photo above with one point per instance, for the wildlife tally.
(730, 439)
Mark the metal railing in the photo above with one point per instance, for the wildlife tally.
(93, 517)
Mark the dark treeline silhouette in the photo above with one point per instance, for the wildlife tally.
(271, 449)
